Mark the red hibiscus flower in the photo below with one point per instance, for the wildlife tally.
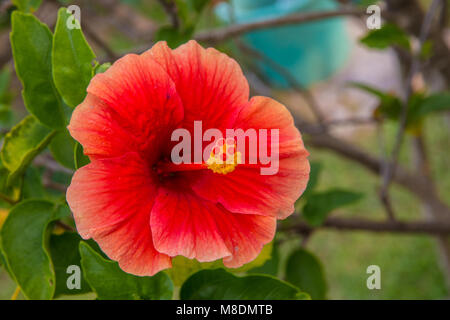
(141, 207)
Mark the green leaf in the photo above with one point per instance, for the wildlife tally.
(427, 50)
(435, 103)
(264, 255)
(414, 118)
(31, 43)
(188, 11)
(3, 263)
(314, 174)
(5, 79)
(80, 159)
(100, 68)
(271, 265)
(111, 283)
(32, 185)
(221, 285)
(64, 252)
(6, 116)
(365, 3)
(174, 36)
(26, 140)
(27, 5)
(320, 204)
(198, 5)
(390, 106)
(72, 59)
(183, 268)
(2, 260)
(389, 35)
(183, 11)
(305, 271)
(62, 148)
(11, 191)
(24, 238)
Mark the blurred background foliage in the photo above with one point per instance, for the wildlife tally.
(365, 82)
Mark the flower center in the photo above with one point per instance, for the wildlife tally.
(224, 157)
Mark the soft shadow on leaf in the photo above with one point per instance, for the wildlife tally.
(64, 253)
(79, 158)
(305, 271)
(271, 265)
(183, 267)
(109, 282)
(62, 148)
(32, 187)
(219, 284)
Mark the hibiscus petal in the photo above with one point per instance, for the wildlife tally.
(246, 190)
(111, 200)
(133, 106)
(183, 224)
(211, 84)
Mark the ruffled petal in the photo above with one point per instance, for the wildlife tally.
(183, 224)
(111, 200)
(211, 84)
(246, 190)
(132, 107)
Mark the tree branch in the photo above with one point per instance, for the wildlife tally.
(226, 33)
(358, 224)
(415, 67)
(50, 164)
(286, 74)
(99, 41)
(64, 226)
(171, 10)
(406, 13)
(7, 199)
(412, 182)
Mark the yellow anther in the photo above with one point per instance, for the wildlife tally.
(224, 157)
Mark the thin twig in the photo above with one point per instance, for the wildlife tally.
(386, 201)
(409, 180)
(358, 224)
(55, 186)
(5, 198)
(51, 165)
(286, 74)
(111, 55)
(315, 137)
(414, 69)
(226, 33)
(350, 122)
(64, 226)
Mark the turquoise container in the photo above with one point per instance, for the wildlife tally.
(311, 51)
